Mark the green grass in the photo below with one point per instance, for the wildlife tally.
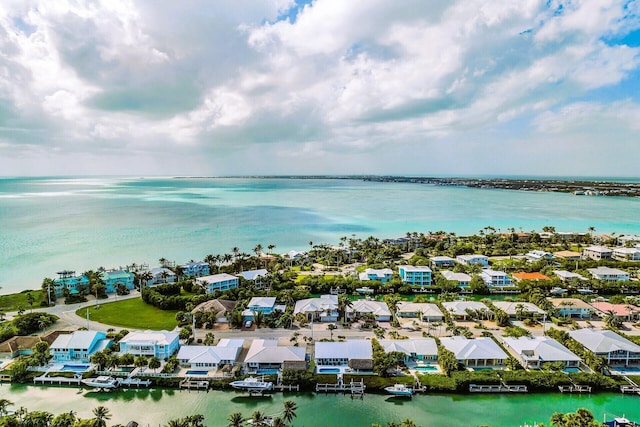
(131, 313)
(11, 302)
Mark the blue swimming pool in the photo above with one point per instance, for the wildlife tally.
(329, 370)
(74, 368)
(571, 370)
(190, 372)
(427, 368)
(268, 371)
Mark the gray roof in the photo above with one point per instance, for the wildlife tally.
(603, 341)
(458, 277)
(473, 349)
(152, 337)
(568, 275)
(418, 346)
(208, 354)
(268, 351)
(377, 308)
(427, 309)
(78, 339)
(459, 307)
(216, 278)
(415, 268)
(352, 349)
(547, 349)
(254, 274)
(265, 302)
(313, 305)
(511, 307)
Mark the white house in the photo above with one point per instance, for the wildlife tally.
(266, 354)
(626, 254)
(458, 309)
(475, 352)
(218, 282)
(416, 275)
(533, 352)
(442, 261)
(378, 309)
(195, 269)
(323, 309)
(473, 259)
(161, 344)
(383, 275)
(515, 308)
(161, 275)
(615, 349)
(78, 346)
(538, 255)
(344, 354)
(495, 278)
(211, 357)
(568, 276)
(258, 277)
(608, 274)
(415, 349)
(428, 312)
(597, 253)
(463, 279)
(264, 305)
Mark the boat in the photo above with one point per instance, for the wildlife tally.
(102, 382)
(364, 291)
(399, 390)
(621, 422)
(558, 291)
(252, 384)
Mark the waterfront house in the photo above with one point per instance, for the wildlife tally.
(161, 275)
(161, 344)
(538, 255)
(476, 352)
(569, 276)
(415, 275)
(323, 309)
(442, 261)
(266, 354)
(21, 345)
(534, 352)
(458, 309)
(356, 354)
(195, 269)
(226, 352)
(608, 274)
(463, 279)
(424, 311)
(626, 254)
(218, 282)
(519, 308)
(597, 253)
(69, 281)
(114, 278)
(624, 311)
(383, 275)
(616, 349)
(568, 255)
(535, 276)
(628, 239)
(415, 349)
(78, 346)
(572, 307)
(493, 278)
(378, 309)
(257, 277)
(265, 305)
(473, 259)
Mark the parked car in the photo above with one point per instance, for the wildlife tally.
(248, 324)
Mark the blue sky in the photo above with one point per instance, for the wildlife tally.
(124, 87)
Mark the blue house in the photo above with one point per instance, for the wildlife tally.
(383, 275)
(78, 346)
(264, 305)
(417, 275)
(218, 282)
(196, 269)
(161, 344)
(68, 280)
(112, 279)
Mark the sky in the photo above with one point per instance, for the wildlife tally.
(251, 87)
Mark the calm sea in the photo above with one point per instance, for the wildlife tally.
(50, 224)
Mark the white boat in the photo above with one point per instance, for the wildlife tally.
(364, 291)
(399, 390)
(558, 291)
(102, 382)
(252, 384)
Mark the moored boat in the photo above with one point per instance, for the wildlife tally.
(252, 384)
(102, 382)
(399, 390)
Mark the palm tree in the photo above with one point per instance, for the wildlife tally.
(4, 403)
(259, 419)
(331, 327)
(278, 422)
(271, 247)
(344, 303)
(289, 412)
(66, 419)
(101, 415)
(236, 252)
(30, 300)
(235, 420)
(154, 363)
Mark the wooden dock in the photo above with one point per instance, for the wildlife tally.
(43, 379)
(632, 388)
(355, 388)
(190, 384)
(287, 387)
(574, 388)
(497, 388)
(134, 382)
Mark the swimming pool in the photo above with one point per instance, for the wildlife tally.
(74, 368)
(571, 370)
(190, 372)
(268, 371)
(329, 370)
(427, 368)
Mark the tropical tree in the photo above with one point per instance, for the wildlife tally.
(289, 412)
(4, 404)
(99, 359)
(331, 327)
(30, 300)
(154, 363)
(66, 419)
(209, 339)
(140, 362)
(259, 419)
(612, 320)
(344, 303)
(235, 420)
(101, 414)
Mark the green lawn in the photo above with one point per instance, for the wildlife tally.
(131, 313)
(11, 302)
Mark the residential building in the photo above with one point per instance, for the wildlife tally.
(475, 352)
(568, 255)
(195, 269)
(534, 352)
(254, 275)
(416, 275)
(265, 305)
(78, 346)
(218, 282)
(415, 349)
(597, 253)
(356, 354)
(463, 279)
(473, 259)
(378, 309)
(616, 349)
(626, 254)
(383, 275)
(568, 276)
(624, 311)
(537, 255)
(323, 309)
(572, 307)
(161, 344)
(160, 276)
(425, 311)
(458, 309)
(519, 308)
(493, 278)
(535, 276)
(67, 281)
(608, 274)
(211, 357)
(114, 278)
(442, 261)
(628, 239)
(266, 354)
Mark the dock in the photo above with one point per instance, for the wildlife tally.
(134, 382)
(191, 384)
(355, 388)
(574, 388)
(632, 388)
(43, 379)
(287, 387)
(497, 388)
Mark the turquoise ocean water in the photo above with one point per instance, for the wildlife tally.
(49, 224)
